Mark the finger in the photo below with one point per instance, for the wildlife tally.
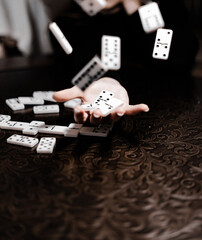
(135, 109)
(118, 114)
(112, 3)
(68, 94)
(131, 6)
(96, 117)
(80, 115)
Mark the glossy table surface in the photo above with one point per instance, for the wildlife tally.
(144, 181)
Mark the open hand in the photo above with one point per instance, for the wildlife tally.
(91, 93)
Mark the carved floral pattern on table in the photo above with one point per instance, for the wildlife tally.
(143, 182)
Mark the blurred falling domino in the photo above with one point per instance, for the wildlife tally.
(60, 37)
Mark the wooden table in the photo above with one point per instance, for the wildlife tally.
(144, 181)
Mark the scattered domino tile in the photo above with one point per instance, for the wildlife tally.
(46, 145)
(14, 104)
(91, 7)
(151, 17)
(13, 125)
(88, 107)
(30, 130)
(75, 125)
(37, 123)
(52, 129)
(72, 103)
(4, 118)
(45, 109)
(22, 140)
(111, 52)
(162, 44)
(71, 132)
(30, 100)
(45, 95)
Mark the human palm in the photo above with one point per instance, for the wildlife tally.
(90, 94)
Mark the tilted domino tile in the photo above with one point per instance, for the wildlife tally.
(30, 100)
(162, 44)
(151, 17)
(110, 106)
(52, 129)
(91, 7)
(30, 130)
(88, 107)
(46, 145)
(91, 72)
(4, 118)
(72, 103)
(104, 96)
(14, 104)
(14, 125)
(75, 125)
(37, 123)
(22, 140)
(111, 52)
(71, 132)
(64, 43)
(45, 109)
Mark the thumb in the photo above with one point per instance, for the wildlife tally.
(68, 94)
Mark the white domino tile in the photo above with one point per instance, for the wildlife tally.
(45, 95)
(151, 17)
(111, 52)
(91, 72)
(35, 123)
(75, 125)
(30, 130)
(71, 132)
(30, 100)
(72, 103)
(52, 129)
(4, 118)
(22, 140)
(14, 104)
(13, 125)
(46, 145)
(162, 44)
(46, 109)
(91, 7)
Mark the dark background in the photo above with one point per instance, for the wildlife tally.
(144, 181)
